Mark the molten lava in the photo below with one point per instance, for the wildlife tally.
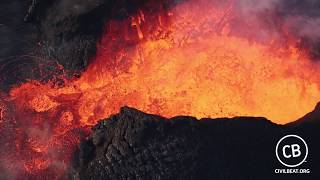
(176, 62)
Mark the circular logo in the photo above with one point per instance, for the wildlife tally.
(291, 150)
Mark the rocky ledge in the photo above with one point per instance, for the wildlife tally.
(136, 145)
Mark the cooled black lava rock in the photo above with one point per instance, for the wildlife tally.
(136, 145)
(37, 35)
(71, 29)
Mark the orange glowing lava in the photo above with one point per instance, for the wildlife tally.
(180, 62)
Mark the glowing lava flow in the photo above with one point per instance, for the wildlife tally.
(195, 69)
(216, 76)
(193, 64)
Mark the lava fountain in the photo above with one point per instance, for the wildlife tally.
(179, 61)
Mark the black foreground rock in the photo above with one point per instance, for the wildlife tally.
(136, 145)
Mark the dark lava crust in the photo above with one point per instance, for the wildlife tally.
(136, 145)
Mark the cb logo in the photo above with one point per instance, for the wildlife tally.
(291, 151)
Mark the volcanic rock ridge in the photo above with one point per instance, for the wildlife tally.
(136, 145)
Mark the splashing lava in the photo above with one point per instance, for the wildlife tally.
(180, 61)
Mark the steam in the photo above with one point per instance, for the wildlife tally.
(254, 6)
(308, 27)
(300, 19)
(280, 19)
